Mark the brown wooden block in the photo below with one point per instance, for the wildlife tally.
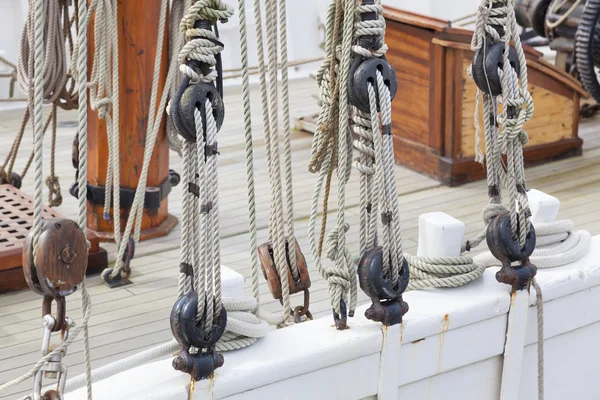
(16, 219)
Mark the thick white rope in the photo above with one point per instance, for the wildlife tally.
(442, 272)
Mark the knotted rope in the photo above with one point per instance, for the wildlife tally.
(331, 150)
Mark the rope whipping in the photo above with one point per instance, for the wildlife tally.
(282, 241)
(37, 90)
(332, 151)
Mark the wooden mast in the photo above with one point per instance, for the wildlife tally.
(137, 28)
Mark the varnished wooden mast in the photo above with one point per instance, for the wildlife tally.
(138, 27)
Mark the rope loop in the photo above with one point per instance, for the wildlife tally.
(54, 195)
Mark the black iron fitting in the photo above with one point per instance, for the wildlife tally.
(386, 296)
(369, 207)
(341, 320)
(211, 150)
(508, 251)
(191, 333)
(521, 188)
(386, 129)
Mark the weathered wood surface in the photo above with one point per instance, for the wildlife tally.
(132, 318)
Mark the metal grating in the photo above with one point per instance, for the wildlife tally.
(16, 218)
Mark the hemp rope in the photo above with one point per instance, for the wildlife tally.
(341, 276)
(104, 98)
(38, 9)
(175, 42)
(66, 99)
(500, 26)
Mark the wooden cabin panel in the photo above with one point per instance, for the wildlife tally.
(552, 119)
(410, 55)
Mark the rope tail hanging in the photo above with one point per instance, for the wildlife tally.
(57, 236)
(281, 259)
(331, 151)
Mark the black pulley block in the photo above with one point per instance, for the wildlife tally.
(486, 63)
(372, 281)
(363, 73)
(501, 243)
(187, 331)
(194, 98)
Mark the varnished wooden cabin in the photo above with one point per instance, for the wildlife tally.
(434, 107)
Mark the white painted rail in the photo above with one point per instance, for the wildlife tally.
(451, 347)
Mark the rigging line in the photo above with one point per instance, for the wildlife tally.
(249, 154)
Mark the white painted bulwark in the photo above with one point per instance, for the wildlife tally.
(544, 207)
(452, 346)
(439, 235)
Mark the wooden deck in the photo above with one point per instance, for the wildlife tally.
(132, 318)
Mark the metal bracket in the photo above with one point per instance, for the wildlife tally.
(154, 194)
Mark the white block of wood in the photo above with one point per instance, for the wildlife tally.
(544, 208)
(453, 343)
(439, 235)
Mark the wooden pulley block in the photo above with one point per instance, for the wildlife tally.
(267, 263)
(58, 266)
